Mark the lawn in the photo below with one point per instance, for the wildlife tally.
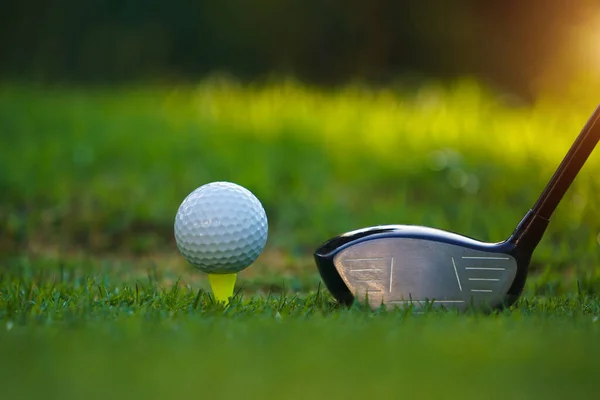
(96, 302)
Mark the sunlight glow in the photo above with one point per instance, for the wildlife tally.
(589, 36)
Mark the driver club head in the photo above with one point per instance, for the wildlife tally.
(405, 265)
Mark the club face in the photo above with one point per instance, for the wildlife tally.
(407, 265)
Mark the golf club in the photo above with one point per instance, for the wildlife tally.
(421, 266)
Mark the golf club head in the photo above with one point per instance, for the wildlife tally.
(400, 265)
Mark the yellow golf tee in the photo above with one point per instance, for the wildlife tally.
(222, 286)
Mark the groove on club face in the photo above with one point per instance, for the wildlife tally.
(400, 264)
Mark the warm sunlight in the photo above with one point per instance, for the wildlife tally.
(595, 42)
(588, 38)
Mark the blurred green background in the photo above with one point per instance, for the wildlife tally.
(520, 46)
(337, 115)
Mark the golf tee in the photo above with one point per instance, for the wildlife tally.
(222, 286)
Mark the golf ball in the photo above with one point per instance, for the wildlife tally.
(221, 228)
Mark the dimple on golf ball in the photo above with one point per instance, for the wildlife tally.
(221, 228)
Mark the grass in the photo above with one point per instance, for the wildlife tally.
(81, 335)
(96, 302)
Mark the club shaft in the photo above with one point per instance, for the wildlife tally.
(569, 167)
(531, 229)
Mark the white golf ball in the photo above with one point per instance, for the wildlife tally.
(221, 228)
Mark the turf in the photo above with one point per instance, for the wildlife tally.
(95, 300)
